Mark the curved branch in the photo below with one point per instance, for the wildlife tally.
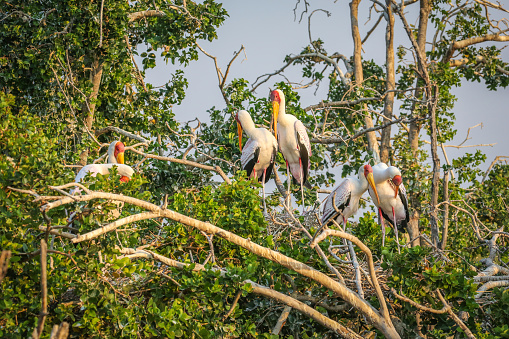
(367, 251)
(145, 14)
(216, 169)
(114, 225)
(372, 315)
(121, 131)
(257, 288)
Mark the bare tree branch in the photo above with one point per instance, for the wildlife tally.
(383, 323)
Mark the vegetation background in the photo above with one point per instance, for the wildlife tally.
(192, 254)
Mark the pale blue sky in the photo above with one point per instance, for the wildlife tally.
(268, 31)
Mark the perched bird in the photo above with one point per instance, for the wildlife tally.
(293, 141)
(115, 159)
(391, 199)
(343, 202)
(260, 151)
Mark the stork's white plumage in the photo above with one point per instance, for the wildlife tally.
(115, 158)
(343, 202)
(293, 141)
(260, 151)
(393, 203)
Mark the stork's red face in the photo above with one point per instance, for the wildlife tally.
(396, 180)
(368, 174)
(275, 97)
(124, 179)
(119, 152)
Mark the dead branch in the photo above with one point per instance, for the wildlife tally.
(216, 169)
(360, 133)
(221, 78)
(489, 285)
(281, 320)
(383, 323)
(417, 305)
(497, 159)
(114, 225)
(145, 14)
(258, 289)
(367, 251)
(60, 332)
(456, 45)
(454, 317)
(232, 307)
(123, 132)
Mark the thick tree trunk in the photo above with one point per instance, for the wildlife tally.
(90, 103)
(432, 99)
(390, 83)
(415, 127)
(359, 76)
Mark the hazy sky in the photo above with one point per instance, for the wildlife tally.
(269, 32)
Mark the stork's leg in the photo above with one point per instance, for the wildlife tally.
(302, 185)
(263, 190)
(289, 183)
(395, 228)
(383, 225)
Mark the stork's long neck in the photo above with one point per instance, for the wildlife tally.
(282, 111)
(111, 154)
(248, 125)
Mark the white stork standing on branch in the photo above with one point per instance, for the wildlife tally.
(391, 197)
(343, 202)
(293, 142)
(260, 151)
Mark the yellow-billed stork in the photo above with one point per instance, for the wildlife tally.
(343, 202)
(115, 158)
(392, 200)
(260, 151)
(293, 141)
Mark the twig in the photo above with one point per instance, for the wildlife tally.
(454, 317)
(232, 307)
(367, 251)
(216, 169)
(114, 225)
(417, 305)
(123, 132)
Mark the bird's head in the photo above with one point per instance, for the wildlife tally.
(125, 172)
(277, 98)
(119, 152)
(368, 174)
(396, 180)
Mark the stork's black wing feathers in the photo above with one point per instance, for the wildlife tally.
(402, 195)
(252, 162)
(271, 166)
(333, 214)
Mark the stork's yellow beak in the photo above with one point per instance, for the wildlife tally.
(396, 190)
(120, 157)
(275, 112)
(371, 182)
(239, 130)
